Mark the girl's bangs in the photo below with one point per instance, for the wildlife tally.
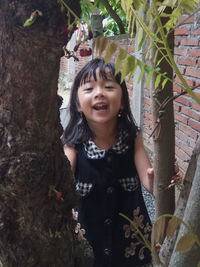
(91, 72)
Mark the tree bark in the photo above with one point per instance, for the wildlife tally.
(35, 230)
(169, 243)
(164, 136)
(192, 218)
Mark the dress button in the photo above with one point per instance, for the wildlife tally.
(110, 190)
(130, 187)
(107, 252)
(108, 221)
(109, 159)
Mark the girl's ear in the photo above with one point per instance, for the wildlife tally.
(79, 109)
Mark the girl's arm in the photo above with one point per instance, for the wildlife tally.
(70, 152)
(143, 164)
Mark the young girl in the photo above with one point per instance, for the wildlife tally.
(107, 156)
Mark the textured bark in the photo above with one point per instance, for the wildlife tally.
(192, 218)
(164, 136)
(169, 244)
(33, 231)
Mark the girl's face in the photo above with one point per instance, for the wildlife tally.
(100, 100)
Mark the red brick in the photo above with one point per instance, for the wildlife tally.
(148, 115)
(187, 130)
(194, 124)
(181, 31)
(183, 100)
(179, 153)
(193, 72)
(180, 51)
(180, 135)
(177, 88)
(194, 52)
(147, 122)
(183, 166)
(176, 42)
(186, 20)
(189, 82)
(186, 149)
(181, 118)
(130, 93)
(190, 41)
(182, 70)
(191, 113)
(146, 107)
(196, 32)
(177, 107)
(186, 61)
(131, 48)
(147, 101)
(195, 105)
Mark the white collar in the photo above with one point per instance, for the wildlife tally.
(93, 152)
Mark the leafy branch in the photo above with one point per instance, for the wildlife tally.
(158, 39)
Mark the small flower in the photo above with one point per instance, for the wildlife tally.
(59, 196)
(158, 246)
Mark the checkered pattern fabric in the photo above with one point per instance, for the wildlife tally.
(93, 152)
(129, 184)
(83, 188)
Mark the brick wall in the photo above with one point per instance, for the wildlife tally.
(186, 110)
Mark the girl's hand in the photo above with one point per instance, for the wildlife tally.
(150, 173)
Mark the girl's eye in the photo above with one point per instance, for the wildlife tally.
(109, 87)
(88, 89)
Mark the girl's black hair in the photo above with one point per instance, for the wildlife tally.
(77, 130)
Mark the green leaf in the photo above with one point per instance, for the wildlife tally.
(32, 18)
(148, 68)
(128, 67)
(111, 50)
(137, 4)
(185, 243)
(172, 226)
(121, 56)
(149, 77)
(141, 75)
(158, 230)
(103, 44)
(157, 82)
(164, 82)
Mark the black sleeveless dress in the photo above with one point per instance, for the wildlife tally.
(109, 185)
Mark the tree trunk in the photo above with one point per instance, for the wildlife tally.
(35, 221)
(164, 137)
(192, 218)
(169, 243)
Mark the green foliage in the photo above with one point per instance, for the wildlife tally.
(87, 8)
(157, 38)
(185, 243)
(112, 27)
(32, 18)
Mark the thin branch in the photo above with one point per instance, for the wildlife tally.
(161, 110)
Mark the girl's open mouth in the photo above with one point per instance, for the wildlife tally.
(100, 107)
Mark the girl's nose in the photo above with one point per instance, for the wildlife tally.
(99, 92)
